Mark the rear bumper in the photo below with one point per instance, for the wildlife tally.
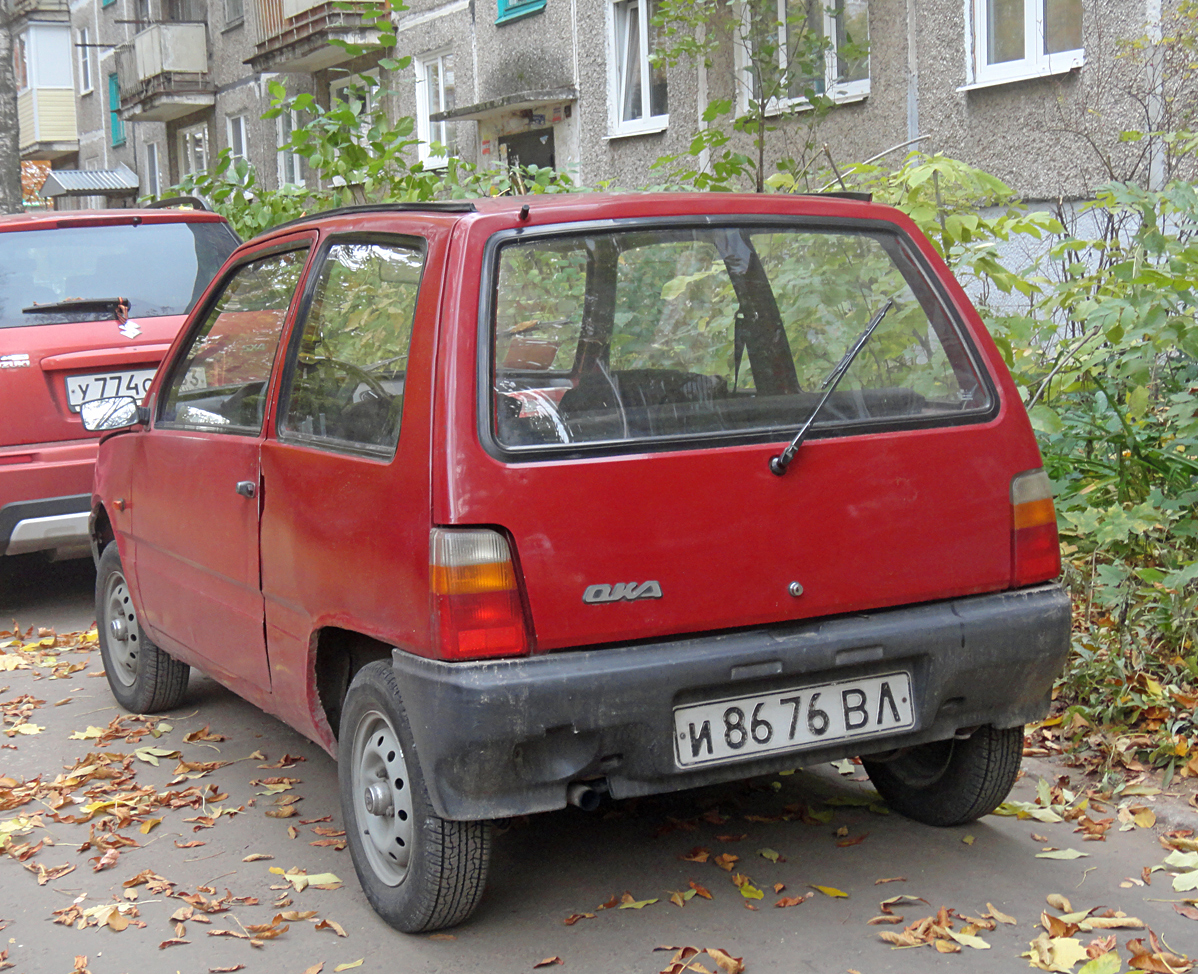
(504, 738)
(45, 496)
(52, 524)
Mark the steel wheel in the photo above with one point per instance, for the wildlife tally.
(142, 677)
(382, 798)
(124, 635)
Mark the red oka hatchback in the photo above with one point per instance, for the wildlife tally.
(89, 302)
(519, 502)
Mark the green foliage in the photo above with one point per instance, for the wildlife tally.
(782, 87)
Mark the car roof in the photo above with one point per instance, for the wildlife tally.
(52, 219)
(601, 205)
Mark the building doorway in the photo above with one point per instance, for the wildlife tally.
(533, 148)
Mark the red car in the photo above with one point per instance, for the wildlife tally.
(65, 339)
(519, 502)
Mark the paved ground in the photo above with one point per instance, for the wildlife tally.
(543, 871)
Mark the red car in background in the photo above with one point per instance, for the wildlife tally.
(66, 338)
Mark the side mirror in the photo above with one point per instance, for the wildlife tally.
(109, 414)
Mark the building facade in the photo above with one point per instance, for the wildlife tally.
(45, 85)
(1033, 91)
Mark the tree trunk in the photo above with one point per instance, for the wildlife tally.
(10, 139)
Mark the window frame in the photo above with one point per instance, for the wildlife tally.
(485, 376)
(508, 10)
(185, 158)
(153, 169)
(284, 153)
(235, 125)
(840, 92)
(116, 124)
(301, 242)
(618, 15)
(303, 306)
(234, 13)
(426, 128)
(84, 62)
(1038, 65)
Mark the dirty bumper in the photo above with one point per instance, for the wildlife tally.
(508, 737)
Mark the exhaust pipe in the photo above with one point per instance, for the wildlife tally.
(585, 794)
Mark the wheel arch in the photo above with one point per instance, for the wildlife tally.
(100, 530)
(340, 653)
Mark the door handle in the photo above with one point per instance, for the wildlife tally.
(245, 488)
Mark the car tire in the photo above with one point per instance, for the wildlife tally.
(420, 872)
(143, 678)
(951, 782)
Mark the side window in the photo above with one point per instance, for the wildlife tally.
(221, 385)
(346, 384)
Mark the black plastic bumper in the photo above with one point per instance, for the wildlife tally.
(504, 738)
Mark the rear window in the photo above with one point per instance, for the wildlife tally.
(661, 334)
(161, 268)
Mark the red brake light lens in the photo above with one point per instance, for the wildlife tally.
(1035, 547)
(476, 596)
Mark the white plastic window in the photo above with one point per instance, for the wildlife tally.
(237, 137)
(291, 171)
(435, 92)
(193, 149)
(153, 177)
(789, 28)
(637, 87)
(85, 62)
(1017, 39)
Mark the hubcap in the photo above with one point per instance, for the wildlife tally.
(382, 798)
(124, 634)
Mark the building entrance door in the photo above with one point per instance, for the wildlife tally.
(533, 148)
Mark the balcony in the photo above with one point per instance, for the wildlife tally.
(294, 35)
(163, 74)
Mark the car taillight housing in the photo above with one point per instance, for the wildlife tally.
(1035, 548)
(477, 610)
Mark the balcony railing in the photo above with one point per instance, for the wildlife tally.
(293, 35)
(164, 73)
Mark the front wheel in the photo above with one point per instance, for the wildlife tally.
(420, 872)
(951, 782)
(141, 676)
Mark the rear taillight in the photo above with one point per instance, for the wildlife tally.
(1035, 548)
(476, 599)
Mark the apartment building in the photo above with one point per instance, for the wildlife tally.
(1030, 90)
(45, 88)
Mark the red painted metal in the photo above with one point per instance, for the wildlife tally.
(861, 522)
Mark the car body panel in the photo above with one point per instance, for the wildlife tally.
(38, 360)
(863, 522)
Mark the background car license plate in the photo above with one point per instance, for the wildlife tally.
(738, 727)
(102, 385)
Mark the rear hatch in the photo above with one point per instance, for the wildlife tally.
(636, 383)
(63, 340)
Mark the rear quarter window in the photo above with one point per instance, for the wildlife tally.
(661, 334)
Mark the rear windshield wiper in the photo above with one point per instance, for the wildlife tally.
(779, 463)
(117, 307)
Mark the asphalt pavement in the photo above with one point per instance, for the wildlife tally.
(809, 839)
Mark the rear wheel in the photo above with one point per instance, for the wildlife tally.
(951, 782)
(142, 677)
(420, 872)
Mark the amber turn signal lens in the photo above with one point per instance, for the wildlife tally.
(1035, 547)
(475, 595)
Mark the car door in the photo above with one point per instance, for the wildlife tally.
(345, 517)
(197, 481)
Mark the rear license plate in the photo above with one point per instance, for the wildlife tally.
(103, 385)
(738, 727)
